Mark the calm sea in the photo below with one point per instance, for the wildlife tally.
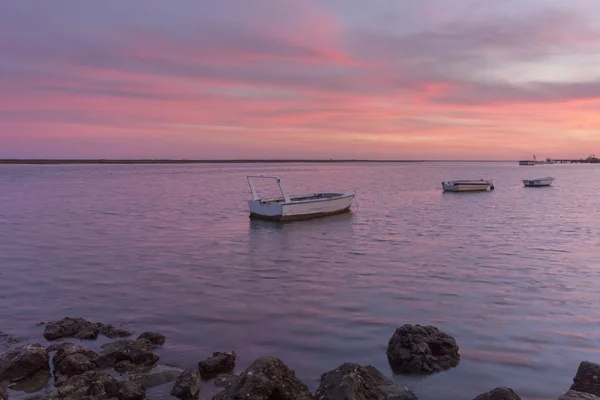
(513, 274)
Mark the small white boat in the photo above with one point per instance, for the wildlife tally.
(468, 186)
(538, 182)
(297, 207)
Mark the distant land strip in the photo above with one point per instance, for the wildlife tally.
(240, 161)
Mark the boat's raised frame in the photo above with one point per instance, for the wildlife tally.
(296, 207)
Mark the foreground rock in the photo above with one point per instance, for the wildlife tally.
(152, 337)
(23, 361)
(267, 378)
(159, 375)
(414, 349)
(499, 393)
(71, 359)
(136, 352)
(575, 395)
(187, 385)
(100, 385)
(219, 363)
(351, 381)
(80, 328)
(587, 379)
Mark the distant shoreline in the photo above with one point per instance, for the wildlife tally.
(235, 161)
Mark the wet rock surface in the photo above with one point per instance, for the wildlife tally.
(575, 395)
(136, 352)
(351, 381)
(23, 361)
(152, 337)
(159, 375)
(267, 378)
(72, 359)
(499, 393)
(587, 379)
(225, 380)
(416, 349)
(80, 328)
(187, 385)
(219, 363)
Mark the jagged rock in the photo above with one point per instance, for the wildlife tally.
(575, 395)
(81, 328)
(23, 361)
(159, 375)
(129, 390)
(187, 385)
(587, 379)
(88, 383)
(225, 380)
(138, 352)
(219, 363)
(351, 381)
(499, 393)
(153, 337)
(267, 378)
(421, 349)
(71, 359)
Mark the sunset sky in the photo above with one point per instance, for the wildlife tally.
(218, 79)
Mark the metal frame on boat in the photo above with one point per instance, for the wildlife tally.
(538, 182)
(296, 207)
(468, 185)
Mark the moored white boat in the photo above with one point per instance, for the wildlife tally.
(468, 185)
(297, 207)
(538, 182)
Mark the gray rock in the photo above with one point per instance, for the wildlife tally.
(23, 361)
(159, 375)
(153, 337)
(587, 379)
(138, 352)
(351, 381)
(499, 393)
(88, 383)
(187, 385)
(267, 378)
(416, 349)
(225, 380)
(33, 383)
(3, 394)
(72, 359)
(575, 395)
(81, 328)
(219, 363)
(129, 390)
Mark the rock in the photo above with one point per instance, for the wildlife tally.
(81, 328)
(499, 393)
(225, 380)
(351, 381)
(187, 385)
(129, 390)
(267, 378)
(72, 359)
(3, 394)
(137, 352)
(153, 337)
(33, 383)
(587, 379)
(575, 395)
(6, 340)
(421, 349)
(88, 383)
(159, 375)
(219, 363)
(23, 361)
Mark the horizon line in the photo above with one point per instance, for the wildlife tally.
(215, 161)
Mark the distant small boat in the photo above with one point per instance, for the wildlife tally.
(467, 186)
(538, 182)
(297, 207)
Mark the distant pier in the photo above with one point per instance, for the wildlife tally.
(592, 159)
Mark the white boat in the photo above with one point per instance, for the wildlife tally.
(467, 186)
(297, 207)
(538, 182)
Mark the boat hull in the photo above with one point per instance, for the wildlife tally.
(296, 210)
(467, 186)
(540, 182)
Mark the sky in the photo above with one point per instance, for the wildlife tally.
(383, 79)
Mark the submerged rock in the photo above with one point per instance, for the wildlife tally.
(587, 379)
(23, 361)
(187, 385)
(219, 363)
(351, 381)
(81, 328)
(159, 375)
(499, 393)
(152, 337)
(33, 383)
(267, 378)
(414, 349)
(575, 395)
(6, 340)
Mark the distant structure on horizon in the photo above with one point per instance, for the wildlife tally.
(592, 159)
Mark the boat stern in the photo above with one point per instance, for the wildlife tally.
(265, 209)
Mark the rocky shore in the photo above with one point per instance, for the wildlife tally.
(126, 368)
